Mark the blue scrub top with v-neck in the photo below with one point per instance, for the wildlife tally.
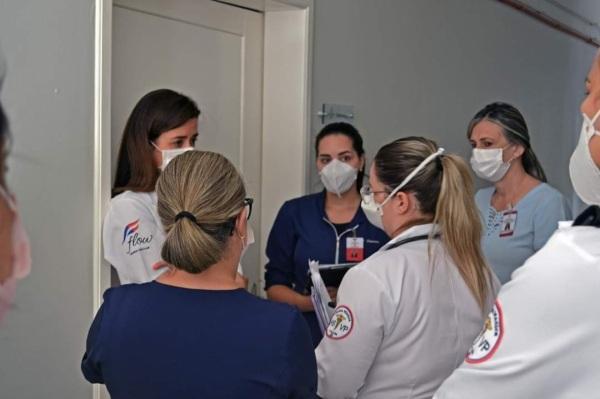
(537, 217)
(301, 232)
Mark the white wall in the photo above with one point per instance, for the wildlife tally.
(285, 105)
(48, 95)
(425, 67)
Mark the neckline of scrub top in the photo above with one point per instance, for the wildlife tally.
(358, 218)
(421, 229)
(515, 206)
(175, 287)
(341, 227)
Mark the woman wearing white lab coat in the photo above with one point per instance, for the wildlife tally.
(541, 339)
(162, 125)
(406, 316)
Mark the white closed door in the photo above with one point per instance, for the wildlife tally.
(209, 51)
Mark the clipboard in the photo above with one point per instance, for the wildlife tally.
(333, 275)
(319, 296)
(319, 278)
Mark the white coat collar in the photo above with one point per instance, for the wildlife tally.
(419, 230)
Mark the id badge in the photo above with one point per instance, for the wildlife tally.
(509, 223)
(355, 249)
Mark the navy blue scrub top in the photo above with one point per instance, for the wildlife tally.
(158, 341)
(301, 232)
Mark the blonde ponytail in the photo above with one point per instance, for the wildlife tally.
(444, 189)
(456, 214)
(206, 188)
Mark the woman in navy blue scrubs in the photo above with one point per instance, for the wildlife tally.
(329, 226)
(193, 333)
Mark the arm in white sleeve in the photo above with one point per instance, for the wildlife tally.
(540, 340)
(132, 240)
(354, 335)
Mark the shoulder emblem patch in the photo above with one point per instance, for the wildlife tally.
(488, 341)
(341, 323)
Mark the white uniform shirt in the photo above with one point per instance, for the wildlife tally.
(133, 236)
(543, 338)
(403, 323)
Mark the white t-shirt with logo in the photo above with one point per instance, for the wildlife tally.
(133, 236)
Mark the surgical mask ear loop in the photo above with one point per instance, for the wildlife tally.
(162, 154)
(412, 174)
(513, 158)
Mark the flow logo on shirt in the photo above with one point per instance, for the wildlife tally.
(134, 241)
(130, 229)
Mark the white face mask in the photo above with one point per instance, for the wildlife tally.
(584, 172)
(338, 177)
(374, 211)
(249, 239)
(169, 155)
(488, 164)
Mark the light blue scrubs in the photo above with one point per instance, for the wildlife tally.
(538, 214)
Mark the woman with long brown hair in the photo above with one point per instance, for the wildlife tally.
(407, 315)
(162, 125)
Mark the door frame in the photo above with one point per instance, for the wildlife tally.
(286, 117)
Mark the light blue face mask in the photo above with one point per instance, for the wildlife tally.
(374, 211)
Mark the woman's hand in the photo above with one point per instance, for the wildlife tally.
(332, 293)
(161, 264)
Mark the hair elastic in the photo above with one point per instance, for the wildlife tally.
(187, 215)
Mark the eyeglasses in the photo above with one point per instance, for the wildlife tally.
(229, 226)
(248, 203)
(367, 194)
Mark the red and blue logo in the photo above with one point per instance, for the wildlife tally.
(130, 229)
